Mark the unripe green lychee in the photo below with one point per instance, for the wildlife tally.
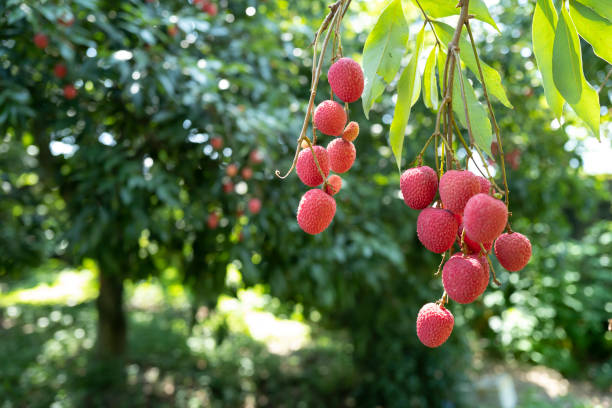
(306, 167)
(434, 324)
(315, 211)
(419, 186)
(341, 155)
(346, 79)
(334, 184)
(463, 278)
(436, 229)
(330, 118)
(351, 131)
(513, 251)
(484, 218)
(456, 188)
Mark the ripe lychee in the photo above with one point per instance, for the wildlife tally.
(212, 221)
(210, 8)
(486, 276)
(41, 41)
(485, 185)
(247, 173)
(463, 278)
(70, 92)
(346, 79)
(351, 131)
(315, 211)
(256, 156)
(216, 143)
(513, 251)
(231, 170)
(419, 186)
(472, 245)
(172, 30)
(434, 324)
(330, 118)
(228, 187)
(334, 184)
(436, 229)
(60, 70)
(456, 188)
(66, 20)
(254, 205)
(341, 155)
(307, 169)
(484, 218)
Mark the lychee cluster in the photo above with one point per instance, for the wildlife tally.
(317, 208)
(468, 214)
(60, 71)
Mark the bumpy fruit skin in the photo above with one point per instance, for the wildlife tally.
(472, 245)
(485, 185)
(346, 79)
(41, 41)
(315, 211)
(330, 118)
(463, 278)
(254, 205)
(60, 70)
(351, 131)
(436, 229)
(485, 272)
(419, 186)
(434, 324)
(334, 184)
(513, 251)
(484, 218)
(341, 155)
(307, 169)
(70, 92)
(456, 188)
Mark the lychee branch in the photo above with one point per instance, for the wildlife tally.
(482, 248)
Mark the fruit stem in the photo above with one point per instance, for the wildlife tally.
(441, 263)
(498, 283)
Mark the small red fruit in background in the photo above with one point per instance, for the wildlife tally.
(513, 251)
(228, 187)
(256, 156)
(172, 31)
(346, 79)
(247, 173)
(330, 118)
(216, 143)
(315, 211)
(231, 170)
(66, 21)
(212, 221)
(70, 92)
(434, 324)
(341, 155)
(41, 41)
(254, 205)
(306, 167)
(419, 186)
(210, 8)
(60, 70)
(334, 184)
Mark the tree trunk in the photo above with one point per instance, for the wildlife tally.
(111, 316)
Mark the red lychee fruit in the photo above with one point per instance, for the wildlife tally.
(228, 187)
(419, 186)
(472, 245)
(434, 324)
(437, 229)
(341, 155)
(456, 188)
(210, 8)
(212, 221)
(70, 92)
(172, 31)
(485, 272)
(330, 118)
(484, 218)
(66, 20)
(254, 205)
(334, 184)
(307, 169)
(247, 173)
(41, 41)
(346, 79)
(513, 251)
(60, 70)
(351, 131)
(231, 170)
(315, 211)
(256, 156)
(463, 278)
(485, 185)
(216, 143)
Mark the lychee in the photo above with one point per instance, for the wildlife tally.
(341, 155)
(456, 188)
(228, 187)
(231, 170)
(351, 131)
(66, 20)
(70, 92)
(216, 143)
(472, 245)
(210, 8)
(513, 251)
(434, 324)
(172, 30)
(330, 118)
(485, 185)
(256, 156)
(436, 229)
(334, 184)
(60, 70)
(212, 221)
(247, 173)
(254, 205)
(463, 278)
(315, 211)
(307, 169)
(419, 186)
(346, 79)
(41, 41)
(484, 218)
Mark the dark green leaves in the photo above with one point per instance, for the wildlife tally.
(383, 51)
(566, 59)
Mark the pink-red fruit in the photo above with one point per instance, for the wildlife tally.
(434, 324)
(456, 188)
(472, 245)
(341, 155)
(307, 169)
(60, 70)
(216, 143)
(41, 41)
(485, 185)
(436, 229)
(484, 218)
(351, 131)
(346, 79)
(334, 184)
(315, 211)
(330, 118)
(254, 205)
(419, 186)
(464, 278)
(70, 92)
(513, 251)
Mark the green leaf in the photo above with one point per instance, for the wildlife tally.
(601, 7)
(444, 8)
(430, 84)
(567, 67)
(383, 51)
(543, 34)
(491, 76)
(588, 107)
(406, 87)
(595, 29)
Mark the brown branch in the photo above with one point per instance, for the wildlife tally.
(605, 80)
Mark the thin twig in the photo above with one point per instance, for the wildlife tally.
(430, 23)
(482, 248)
(605, 81)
